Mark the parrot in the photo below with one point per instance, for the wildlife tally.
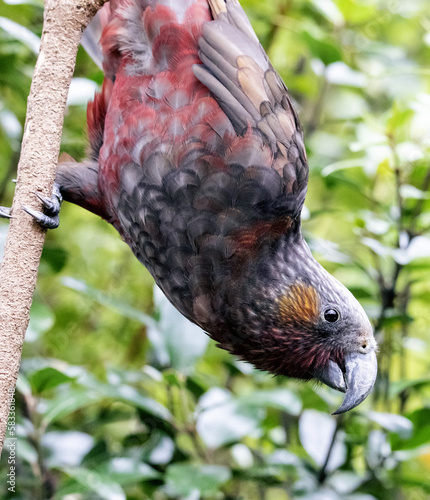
(197, 158)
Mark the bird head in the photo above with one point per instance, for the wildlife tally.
(305, 324)
(331, 333)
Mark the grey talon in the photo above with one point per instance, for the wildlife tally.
(6, 212)
(46, 221)
(51, 205)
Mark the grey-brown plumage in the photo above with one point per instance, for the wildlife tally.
(197, 159)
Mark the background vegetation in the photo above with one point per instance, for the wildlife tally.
(119, 397)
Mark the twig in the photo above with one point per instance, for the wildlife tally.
(64, 21)
(389, 293)
(404, 303)
(283, 10)
(322, 475)
(317, 109)
(388, 288)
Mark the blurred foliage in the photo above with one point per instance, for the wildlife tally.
(119, 397)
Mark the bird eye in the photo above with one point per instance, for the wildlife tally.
(331, 315)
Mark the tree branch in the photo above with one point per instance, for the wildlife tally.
(64, 22)
(322, 474)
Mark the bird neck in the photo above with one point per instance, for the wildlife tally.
(253, 285)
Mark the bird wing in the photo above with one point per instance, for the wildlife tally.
(201, 163)
(255, 99)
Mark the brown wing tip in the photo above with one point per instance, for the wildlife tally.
(217, 7)
(220, 6)
(66, 158)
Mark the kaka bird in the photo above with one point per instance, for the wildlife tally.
(197, 159)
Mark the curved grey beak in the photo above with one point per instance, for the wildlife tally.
(356, 382)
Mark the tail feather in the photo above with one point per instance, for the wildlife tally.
(134, 26)
(93, 33)
(96, 114)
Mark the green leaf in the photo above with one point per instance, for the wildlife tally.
(280, 399)
(418, 248)
(21, 33)
(377, 247)
(101, 484)
(330, 11)
(316, 431)
(413, 193)
(402, 385)
(26, 451)
(112, 303)
(66, 448)
(55, 257)
(225, 420)
(67, 402)
(339, 73)
(342, 165)
(47, 378)
(321, 47)
(184, 342)
(37, 3)
(186, 479)
(406, 455)
(378, 449)
(392, 422)
(23, 385)
(128, 470)
(160, 449)
(344, 482)
(10, 124)
(375, 224)
(42, 319)
(81, 91)
(132, 396)
(399, 117)
(420, 419)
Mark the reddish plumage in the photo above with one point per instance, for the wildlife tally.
(96, 114)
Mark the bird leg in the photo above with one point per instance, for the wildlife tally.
(49, 218)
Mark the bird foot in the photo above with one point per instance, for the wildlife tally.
(49, 219)
(5, 212)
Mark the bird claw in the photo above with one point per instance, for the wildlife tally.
(46, 221)
(52, 205)
(50, 218)
(6, 212)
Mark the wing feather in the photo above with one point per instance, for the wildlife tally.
(253, 96)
